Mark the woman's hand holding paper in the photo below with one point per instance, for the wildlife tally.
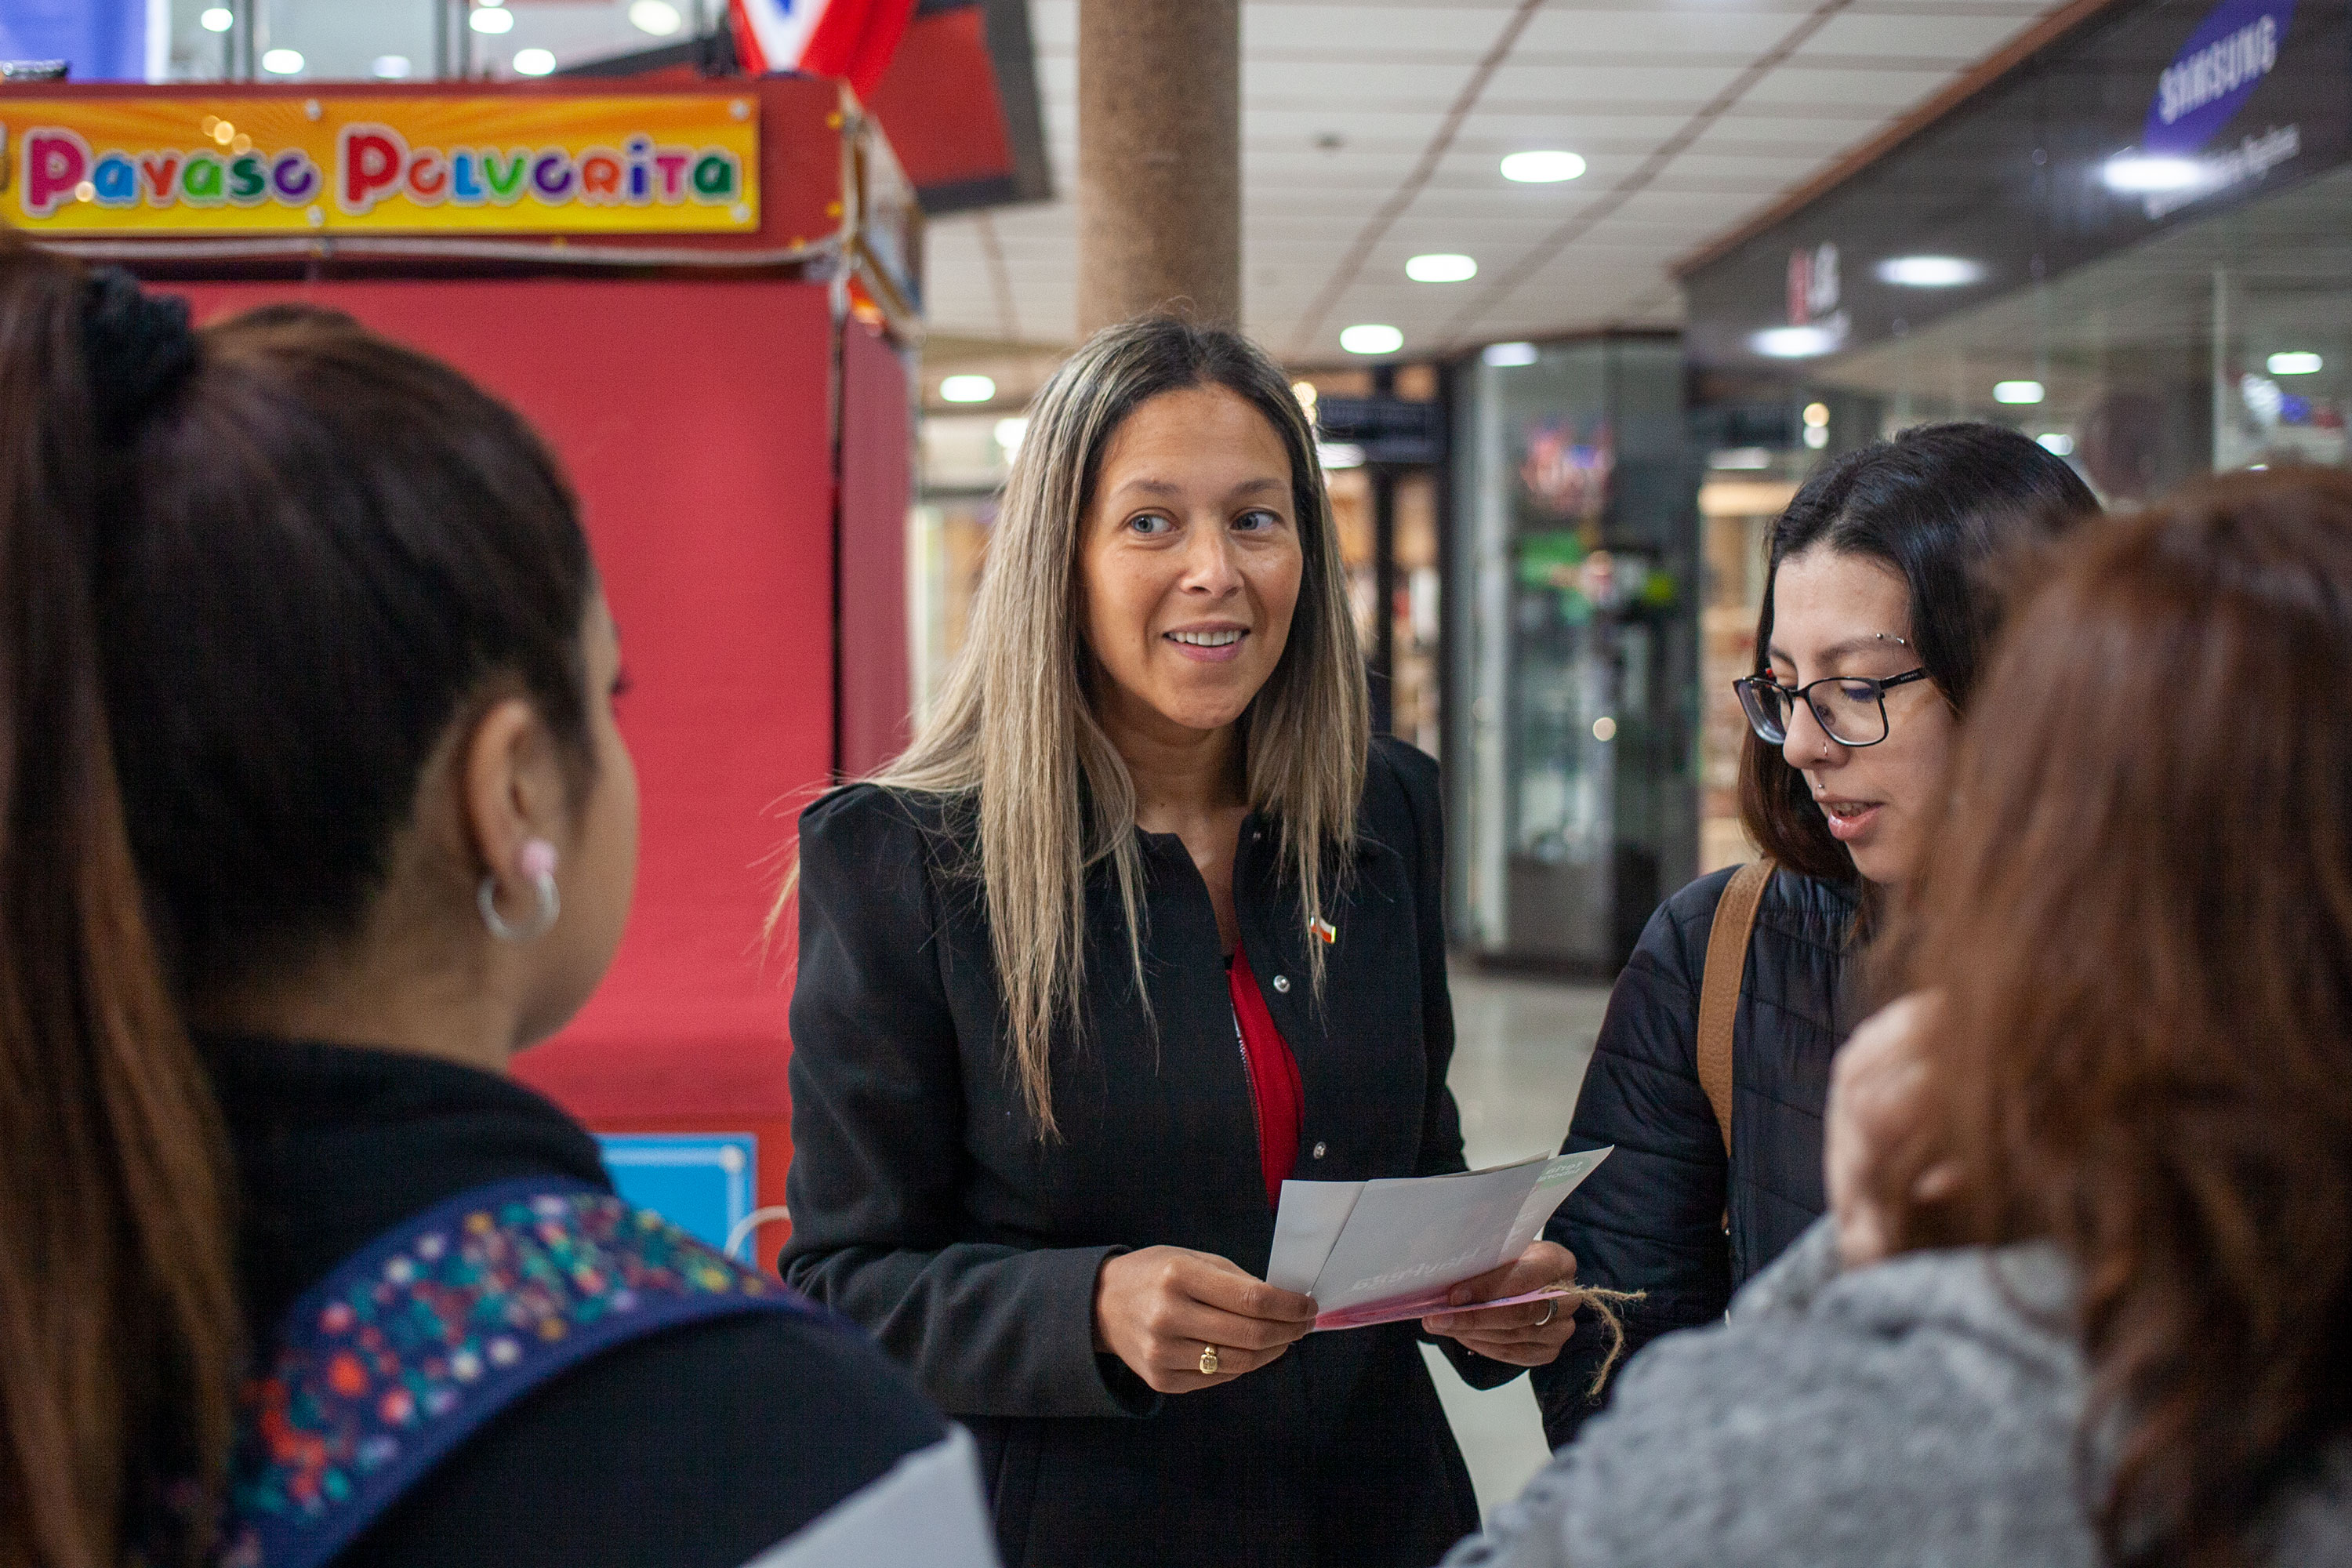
(1529, 1335)
(1159, 1309)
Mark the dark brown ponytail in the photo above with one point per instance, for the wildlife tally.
(117, 1313)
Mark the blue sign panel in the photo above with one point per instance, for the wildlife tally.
(701, 1183)
(102, 40)
(2214, 73)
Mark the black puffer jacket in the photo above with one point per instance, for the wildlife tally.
(1652, 1217)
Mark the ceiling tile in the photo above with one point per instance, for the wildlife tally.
(1611, 79)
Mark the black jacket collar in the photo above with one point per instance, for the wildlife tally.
(335, 1145)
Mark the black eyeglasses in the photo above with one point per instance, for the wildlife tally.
(1852, 709)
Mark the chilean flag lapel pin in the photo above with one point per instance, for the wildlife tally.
(1323, 931)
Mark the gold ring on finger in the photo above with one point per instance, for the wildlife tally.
(1208, 1361)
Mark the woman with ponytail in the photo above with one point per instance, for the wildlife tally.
(316, 811)
(118, 1321)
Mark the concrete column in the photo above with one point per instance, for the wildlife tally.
(1160, 165)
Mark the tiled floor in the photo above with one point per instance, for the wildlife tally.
(1519, 1054)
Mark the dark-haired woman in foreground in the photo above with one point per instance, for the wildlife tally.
(316, 812)
(1874, 608)
(2087, 1295)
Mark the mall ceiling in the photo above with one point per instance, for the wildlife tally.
(1373, 130)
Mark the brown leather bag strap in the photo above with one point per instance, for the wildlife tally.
(1718, 990)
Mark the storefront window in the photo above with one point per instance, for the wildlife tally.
(962, 460)
(1575, 563)
(1410, 681)
(2218, 345)
(418, 40)
(2226, 345)
(2130, 245)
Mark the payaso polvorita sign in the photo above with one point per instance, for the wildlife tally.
(642, 164)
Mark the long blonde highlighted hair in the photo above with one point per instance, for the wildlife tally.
(1014, 734)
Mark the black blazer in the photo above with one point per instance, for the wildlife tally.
(926, 1207)
(1651, 1218)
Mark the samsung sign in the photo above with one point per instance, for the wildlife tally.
(2217, 71)
(2153, 112)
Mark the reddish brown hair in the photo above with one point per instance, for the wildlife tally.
(2139, 914)
(118, 1321)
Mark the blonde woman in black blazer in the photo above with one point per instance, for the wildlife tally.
(1031, 1154)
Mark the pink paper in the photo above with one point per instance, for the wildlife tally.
(1425, 1304)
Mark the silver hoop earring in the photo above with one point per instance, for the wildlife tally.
(542, 883)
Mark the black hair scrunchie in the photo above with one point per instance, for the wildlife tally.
(138, 346)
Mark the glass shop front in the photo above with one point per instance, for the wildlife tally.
(1571, 568)
(2136, 247)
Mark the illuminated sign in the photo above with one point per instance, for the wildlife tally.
(674, 163)
(2216, 71)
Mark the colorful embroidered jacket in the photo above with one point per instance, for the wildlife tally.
(412, 1344)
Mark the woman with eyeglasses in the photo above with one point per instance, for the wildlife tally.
(2085, 1297)
(1877, 615)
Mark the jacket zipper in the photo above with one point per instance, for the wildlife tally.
(1249, 1081)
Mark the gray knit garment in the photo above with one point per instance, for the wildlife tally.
(1920, 1411)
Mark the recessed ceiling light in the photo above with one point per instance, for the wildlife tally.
(2017, 392)
(658, 17)
(1504, 355)
(534, 62)
(282, 62)
(1372, 339)
(1930, 271)
(390, 68)
(2132, 174)
(217, 19)
(2056, 441)
(966, 389)
(1794, 342)
(1817, 414)
(1339, 455)
(492, 21)
(1543, 167)
(1445, 266)
(2297, 362)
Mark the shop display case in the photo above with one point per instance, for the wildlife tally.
(1574, 636)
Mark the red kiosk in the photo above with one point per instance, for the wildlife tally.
(702, 296)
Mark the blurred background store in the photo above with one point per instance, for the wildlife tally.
(1578, 295)
(1663, 259)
